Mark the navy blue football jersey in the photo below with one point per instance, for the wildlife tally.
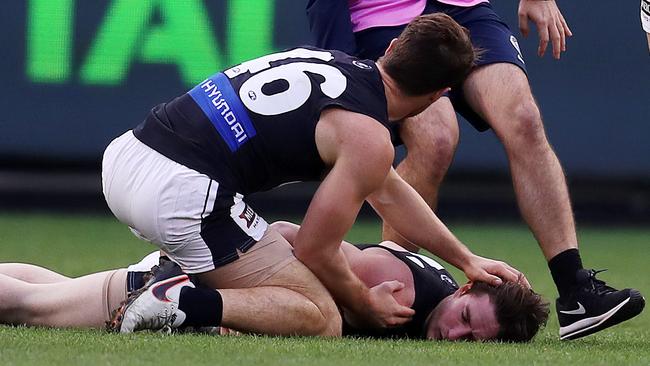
(252, 127)
(432, 283)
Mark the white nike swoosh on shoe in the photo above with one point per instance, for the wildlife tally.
(578, 311)
(586, 324)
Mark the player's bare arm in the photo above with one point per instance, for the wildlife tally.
(372, 272)
(402, 207)
(550, 24)
(359, 152)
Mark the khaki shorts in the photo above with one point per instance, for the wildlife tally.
(265, 258)
(268, 256)
(113, 291)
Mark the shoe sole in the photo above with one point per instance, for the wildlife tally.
(627, 309)
(117, 316)
(115, 324)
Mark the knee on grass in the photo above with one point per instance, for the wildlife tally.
(323, 320)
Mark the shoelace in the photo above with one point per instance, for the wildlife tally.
(599, 286)
(162, 321)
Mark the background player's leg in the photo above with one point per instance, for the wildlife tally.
(501, 95)
(431, 139)
(76, 303)
(31, 273)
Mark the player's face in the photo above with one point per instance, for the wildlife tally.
(463, 316)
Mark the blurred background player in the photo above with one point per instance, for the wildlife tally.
(495, 95)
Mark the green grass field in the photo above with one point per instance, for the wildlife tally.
(77, 245)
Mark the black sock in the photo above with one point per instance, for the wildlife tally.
(202, 307)
(563, 269)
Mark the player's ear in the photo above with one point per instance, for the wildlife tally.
(463, 289)
(390, 47)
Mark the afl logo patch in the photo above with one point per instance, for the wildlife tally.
(361, 65)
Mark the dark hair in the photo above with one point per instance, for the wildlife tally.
(433, 52)
(520, 311)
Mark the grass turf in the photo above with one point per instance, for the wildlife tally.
(76, 245)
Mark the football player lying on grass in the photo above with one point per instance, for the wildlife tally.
(36, 296)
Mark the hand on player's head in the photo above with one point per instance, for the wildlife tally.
(493, 272)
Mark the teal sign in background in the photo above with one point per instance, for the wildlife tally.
(75, 73)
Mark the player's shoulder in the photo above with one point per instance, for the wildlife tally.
(357, 139)
(348, 128)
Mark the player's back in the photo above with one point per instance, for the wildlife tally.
(252, 126)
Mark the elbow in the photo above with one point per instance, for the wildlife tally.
(380, 201)
(303, 254)
(311, 258)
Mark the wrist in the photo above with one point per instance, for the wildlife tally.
(359, 312)
(365, 302)
(466, 261)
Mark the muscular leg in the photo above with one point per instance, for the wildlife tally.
(30, 273)
(267, 290)
(501, 95)
(431, 139)
(292, 302)
(81, 302)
